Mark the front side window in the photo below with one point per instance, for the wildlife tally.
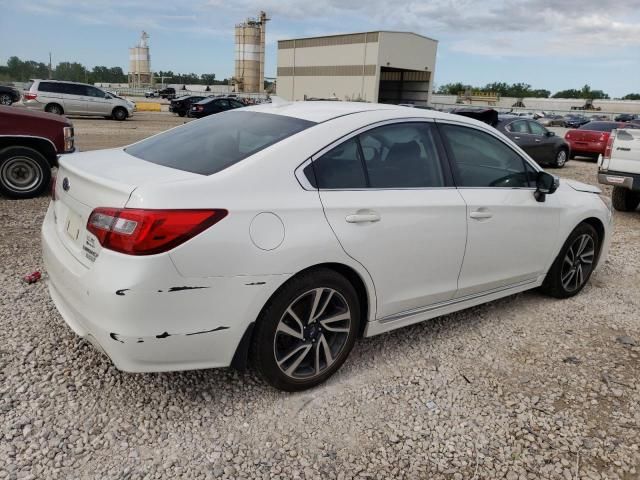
(218, 141)
(537, 129)
(481, 160)
(94, 92)
(402, 155)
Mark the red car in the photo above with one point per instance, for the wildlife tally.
(30, 143)
(590, 140)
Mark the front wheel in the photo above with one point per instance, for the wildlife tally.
(574, 264)
(561, 158)
(625, 200)
(24, 172)
(119, 114)
(306, 332)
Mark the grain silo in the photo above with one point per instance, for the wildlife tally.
(140, 63)
(250, 35)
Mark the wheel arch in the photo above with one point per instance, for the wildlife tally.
(365, 298)
(43, 146)
(597, 224)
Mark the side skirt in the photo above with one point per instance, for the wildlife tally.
(410, 317)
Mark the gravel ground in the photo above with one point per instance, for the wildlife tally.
(526, 387)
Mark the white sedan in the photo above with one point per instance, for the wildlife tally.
(281, 233)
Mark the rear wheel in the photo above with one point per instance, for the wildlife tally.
(119, 114)
(182, 113)
(625, 200)
(54, 108)
(306, 332)
(5, 99)
(24, 172)
(574, 264)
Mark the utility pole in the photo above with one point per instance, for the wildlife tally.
(49, 65)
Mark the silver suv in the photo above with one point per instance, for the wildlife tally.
(71, 98)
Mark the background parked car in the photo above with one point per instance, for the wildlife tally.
(626, 117)
(151, 94)
(541, 144)
(590, 140)
(8, 95)
(209, 106)
(552, 120)
(29, 146)
(71, 98)
(574, 121)
(182, 105)
(168, 92)
(620, 168)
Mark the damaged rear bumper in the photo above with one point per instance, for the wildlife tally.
(147, 317)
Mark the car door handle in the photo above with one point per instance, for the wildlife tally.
(538, 140)
(516, 138)
(481, 214)
(362, 217)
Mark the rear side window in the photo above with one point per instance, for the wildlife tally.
(341, 167)
(217, 142)
(481, 160)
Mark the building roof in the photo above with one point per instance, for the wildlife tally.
(361, 33)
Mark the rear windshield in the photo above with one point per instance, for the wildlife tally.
(216, 142)
(599, 126)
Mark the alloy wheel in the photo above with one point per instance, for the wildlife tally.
(312, 333)
(5, 99)
(578, 263)
(561, 158)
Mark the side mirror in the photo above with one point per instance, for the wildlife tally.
(108, 96)
(550, 134)
(546, 184)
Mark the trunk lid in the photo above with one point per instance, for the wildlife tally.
(103, 178)
(588, 135)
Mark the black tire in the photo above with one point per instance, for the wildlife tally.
(562, 155)
(119, 114)
(625, 200)
(24, 172)
(182, 114)
(559, 282)
(6, 99)
(269, 340)
(54, 108)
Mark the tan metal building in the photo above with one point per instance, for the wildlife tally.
(383, 66)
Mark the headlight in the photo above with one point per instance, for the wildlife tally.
(68, 139)
(607, 201)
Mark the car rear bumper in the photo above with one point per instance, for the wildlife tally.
(588, 148)
(33, 104)
(144, 315)
(616, 179)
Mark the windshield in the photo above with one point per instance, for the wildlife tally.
(214, 143)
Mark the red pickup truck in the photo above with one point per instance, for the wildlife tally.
(30, 143)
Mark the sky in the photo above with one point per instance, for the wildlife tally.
(551, 44)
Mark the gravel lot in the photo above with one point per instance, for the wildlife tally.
(527, 387)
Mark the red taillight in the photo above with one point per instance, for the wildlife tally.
(53, 187)
(604, 137)
(567, 135)
(30, 96)
(607, 150)
(147, 232)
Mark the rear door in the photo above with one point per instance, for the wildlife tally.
(388, 197)
(511, 236)
(519, 132)
(543, 148)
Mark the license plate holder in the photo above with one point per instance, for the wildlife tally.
(73, 226)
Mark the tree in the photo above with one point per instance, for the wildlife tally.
(631, 96)
(71, 71)
(453, 88)
(208, 78)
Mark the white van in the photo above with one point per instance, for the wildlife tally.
(71, 98)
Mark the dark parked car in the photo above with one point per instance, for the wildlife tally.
(168, 92)
(30, 143)
(626, 117)
(8, 95)
(575, 121)
(182, 105)
(552, 121)
(541, 144)
(209, 106)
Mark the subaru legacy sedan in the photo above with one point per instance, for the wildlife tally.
(279, 234)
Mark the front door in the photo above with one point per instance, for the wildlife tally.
(98, 103)
(511, 236)
(390, 201)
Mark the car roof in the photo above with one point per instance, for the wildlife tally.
(322, 111)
